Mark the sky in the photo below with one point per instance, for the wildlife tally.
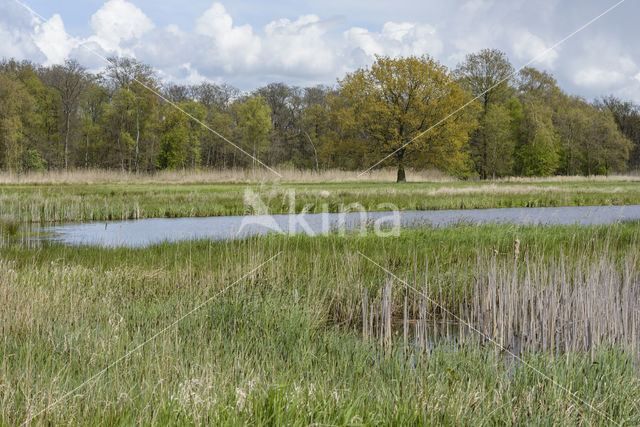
(249, 43)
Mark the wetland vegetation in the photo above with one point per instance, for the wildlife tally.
(285, 345)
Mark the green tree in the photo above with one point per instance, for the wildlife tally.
(498, 142)
(15, 103)
(119, 120)
(345, 144)
(254, 124)
(40, 128)
(627, 117)
(539, 147)
(216, 151)
(180, 142)
(487, 75)
(314, 125)
(217, 100)
(174, 140)
(398, 104)
(538, 152)
(606, 149)
(540, 85)
(194, 132)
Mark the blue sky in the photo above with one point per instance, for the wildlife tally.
(250, 43)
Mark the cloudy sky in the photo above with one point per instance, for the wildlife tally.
(250, 43)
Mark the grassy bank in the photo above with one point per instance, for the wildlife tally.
(285, 344)
(47, 201)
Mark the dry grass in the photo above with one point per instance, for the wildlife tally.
(100, 176)
(498, 187)
(574, 178)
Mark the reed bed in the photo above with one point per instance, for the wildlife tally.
(567, 305)
(564, 305)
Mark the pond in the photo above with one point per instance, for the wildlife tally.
(145, 232)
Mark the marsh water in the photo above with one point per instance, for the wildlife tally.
(145, 232)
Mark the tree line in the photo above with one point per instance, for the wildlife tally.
(481, 119)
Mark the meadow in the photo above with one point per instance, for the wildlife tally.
(318, 334)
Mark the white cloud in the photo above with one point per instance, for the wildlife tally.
(302, 49)
(610, 72)
(192, 75)
(529, 47)
(54, 42)
(298, 46)
(598, 77)
(395, 39)
(118, 24)
(16, 33)
(229, 46)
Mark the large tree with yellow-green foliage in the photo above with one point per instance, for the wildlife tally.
(400, 106)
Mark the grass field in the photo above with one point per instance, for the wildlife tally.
(319, 334)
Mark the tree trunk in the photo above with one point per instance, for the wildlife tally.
(86, 153)
(66, 145)
(254, 156)
(137, 138)
(402, 177)
(121, 153)
(401, 174)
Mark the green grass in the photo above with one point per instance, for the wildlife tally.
(283, 346)
(83, 202)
